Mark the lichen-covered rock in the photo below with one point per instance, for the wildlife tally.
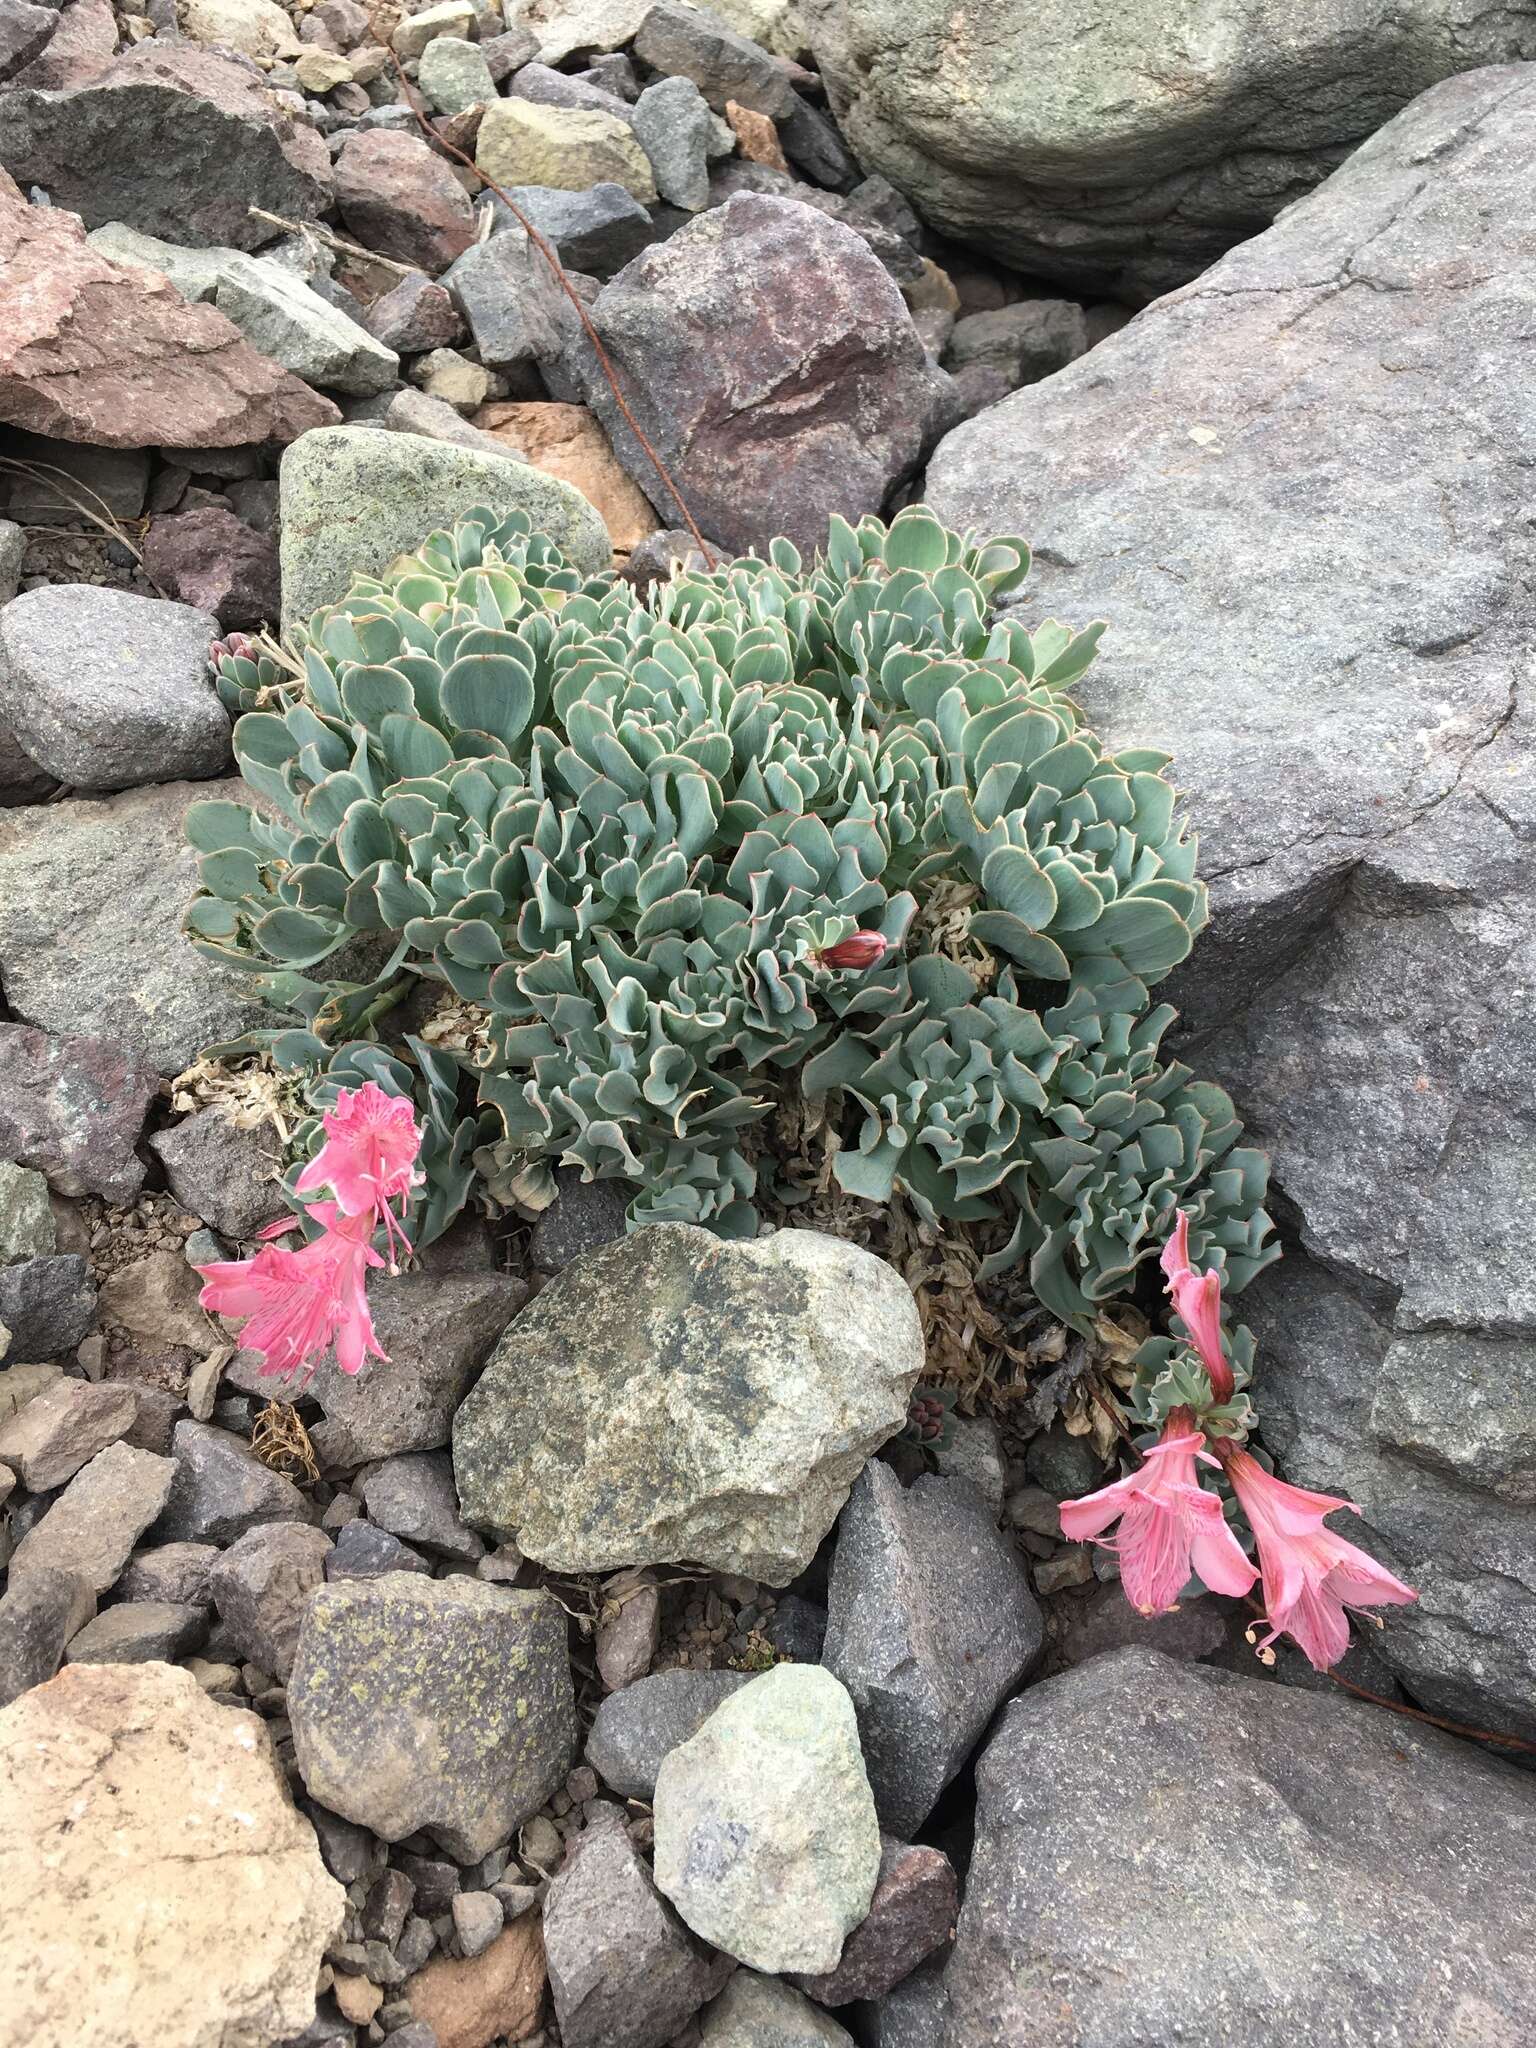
(674, 1396)
(432, 1703)
(773, 364)
(354, 497)
(766, 1837)
(1352, 372)
(1341, 1876)
(160, 1886)
(73, 1107)
(91, 901)
(931, 1624)
(1122, 151)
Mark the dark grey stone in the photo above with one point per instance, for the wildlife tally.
(507, 296)
(1372, 898)
(624, 1971)
(261, 1586)
(170, 1571)
(1344, 1877)
(139, 1632)
(477, 1920)
(692, 43)
(222, 1489)
(676, 129)
(813, 145)
(388, 1906)
(550, 88)
(798, 1629)
(634, 1729)
(351, 1853)
(39, 1612)
(47, 1305)
(435, 1883)
(583, 1215)
(363, 1552)
(221, 1174)
(414, 1498)
(913, 2014)
(1026, 341)
(931, 1624)
(594, 232)
(432, 1703)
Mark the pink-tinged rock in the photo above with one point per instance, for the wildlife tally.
(93, 351)
(173, 140)
(399, 199)
(912, 1913)
(209, 558)
(73, 1108)
(25, 31)
(79, 50)
(414, 316)
(773, 363)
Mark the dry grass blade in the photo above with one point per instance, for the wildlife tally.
(282, 1442)
(98, 513)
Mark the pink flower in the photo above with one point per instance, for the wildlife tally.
(1197, 1302)
(1311, 1576)
(1168, 1524)
(299, 1303)
(859, 949)
(368, 1158)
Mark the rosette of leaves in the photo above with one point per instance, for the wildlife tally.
(627, 828)
(1169, 1375)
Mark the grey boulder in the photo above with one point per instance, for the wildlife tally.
(1121, 152)
(107, 690)
(760, 2012)
(1171, 1852)
(931, 1625)
(92, 1526)
(73, 1108)
(766, 1837)
(48, 1305)
(222, 1174)
(46, 1442)
(261, 1586)
(139, 1632)
(91, 900)
(441, 1704)
(773, 365)
(1348, 726)
(675, 1397)
(222, 1489)
(634, 1729)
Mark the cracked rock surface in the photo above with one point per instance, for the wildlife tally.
(1123, 149)
(1299, 490)
(160, 1884)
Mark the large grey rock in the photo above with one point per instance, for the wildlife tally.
(931, 1624)
(220, 1173)
(39, 1612)
(46, 1442)
(624, 1972)
(1122, 152)
(913, 2014)
(1337, 1876)
(131, 1802)
(766, 1837)
(90, 1530)
(173, 140)
(414, 1498)
(353, 499)
(910, 1916)
(436, 1331)
(170, 1571)
(635, 1728)
(760, 2012)
(261, 1586)
(1348, 722)
(432, 1703)
(139, 1632)
(773, 365)
(672, 121)
(690, 42)
(73, 1108)
(222, 1489)
(674, 1397)
(91, 900)
(597, 231)
(277, 312)
(106, 690)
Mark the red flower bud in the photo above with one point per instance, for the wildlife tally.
(860, 949)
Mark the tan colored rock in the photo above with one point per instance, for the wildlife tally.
(357, 1998)
(522, 142)
(156, 1297)
(757, 136)
(568, 441)
(321, 71)
(499, 1994)
(258, 28)
(161, 1889)
(95, 351)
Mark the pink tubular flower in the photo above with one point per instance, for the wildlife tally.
(368, 1158)
(1169, 1524)
(1311, 1576)
(299, 1303)
(859, 949)
(1197, 1302)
